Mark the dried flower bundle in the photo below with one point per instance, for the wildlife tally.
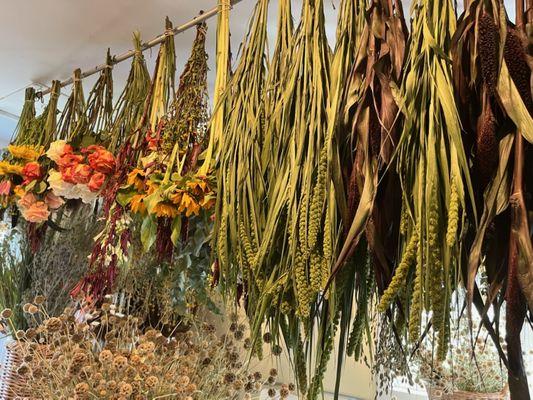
(109, 355)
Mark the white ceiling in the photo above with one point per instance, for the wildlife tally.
(46, 40)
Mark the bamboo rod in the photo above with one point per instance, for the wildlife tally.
(154, 42)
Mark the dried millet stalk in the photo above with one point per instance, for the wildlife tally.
(301, 366)
(416, 302)
(315, 271)
(302, 285)
(398, 280)
(488, 44)
(327, 348)
(356, 335)
(302, 221)
(327, 249)
(453, 213)
(317, 200)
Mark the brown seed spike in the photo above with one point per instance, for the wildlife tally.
(488, 51)
(374, 129)
(515, 57)
(486, 146)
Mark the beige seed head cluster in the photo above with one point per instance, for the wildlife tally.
(112, 358)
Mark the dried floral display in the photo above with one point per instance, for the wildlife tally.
(132, 113)
(348, 192)
(109, 355)
(307, 173)
(165, 189)
(463, 370)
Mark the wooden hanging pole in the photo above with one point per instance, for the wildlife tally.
(204, 16)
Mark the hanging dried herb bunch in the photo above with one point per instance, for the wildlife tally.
(73, 118)
(433, 166)
(188, 116)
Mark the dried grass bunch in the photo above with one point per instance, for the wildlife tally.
(109, 355)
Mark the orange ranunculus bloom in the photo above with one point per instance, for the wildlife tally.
(53, 201)
(189, 205)
(81, 173)
(31, 172)
(69, 160)
(137, 204)
(67, 174)
(164, 209)
(96, 182)
(37, 212)
(100, 159)
(136, 178)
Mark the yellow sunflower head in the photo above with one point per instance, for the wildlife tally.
(6, 168)
(136, 178)
(166, 210)
(197, 186)
(137, 204)
(26, 153)
(189, 205)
